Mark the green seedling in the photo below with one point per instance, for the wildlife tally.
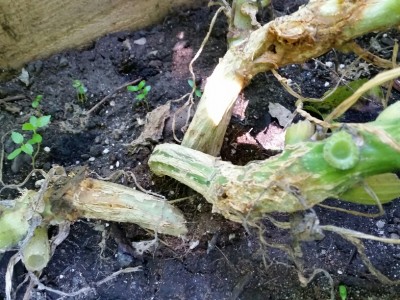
(27, 146)
(342, 292)
(80, 90)
(142, 91)
(36, 102)
(197, 91)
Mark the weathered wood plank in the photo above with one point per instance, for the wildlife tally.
(32, 29)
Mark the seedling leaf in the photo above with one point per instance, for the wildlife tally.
(147, 89)
(14, 154)
(36, 138)
(17, 137)
(190, 82)
(343, 292)
(33, 120)
(132, 88)
(140, 96)
(28, 126)
(76, 84)
(141, 84)
(43, 121)
(27, 148)
(198, 93)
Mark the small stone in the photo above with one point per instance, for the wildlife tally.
(112, 103)
(394, 236)
(105, 151)
(340, 272)
(142, 41)
(63, 62)
(326, 84)
(46, 149)
(117, 164)
(380, 224)
(92, 158)
(111, 167)
(329, 64)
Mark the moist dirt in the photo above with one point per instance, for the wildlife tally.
(218, 259)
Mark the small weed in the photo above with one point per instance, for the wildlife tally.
(80, 90)
(36, 101)
(27, 146)
(197, 91)
(142, 90)
(342, 292)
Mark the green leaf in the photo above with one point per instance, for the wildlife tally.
(140, 96)
(28, 126)
(191, 83)
(35, 104)
(343, 292)
(33, 120)
(17, 137)
(198, 93)
(27, 148)
(147, 89)
(43, 121)
(38, 98)
(336, 96)
(82, 90)
(132, 88)
(76, 83)
(36, 138)
(141, 84)
(14, 154)
(385, 186)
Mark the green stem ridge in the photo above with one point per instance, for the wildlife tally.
(297, 179)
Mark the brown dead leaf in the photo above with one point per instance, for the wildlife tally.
(153, 128)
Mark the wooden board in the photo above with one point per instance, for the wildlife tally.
(33, 29)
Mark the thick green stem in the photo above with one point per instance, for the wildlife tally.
(297, 179)
(90, 198)
(310, 32)
(36, 251)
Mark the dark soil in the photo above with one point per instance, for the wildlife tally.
(229, 261)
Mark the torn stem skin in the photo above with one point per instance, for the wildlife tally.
(297, 179)
(79, 197)
(310, 32)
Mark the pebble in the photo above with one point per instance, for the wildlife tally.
(46, 149)
(394, 236)
(105, 151)
(329, 64)
(63, 62)
(142, 41)
(380, 224)
(326, 84)
(92, 158)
